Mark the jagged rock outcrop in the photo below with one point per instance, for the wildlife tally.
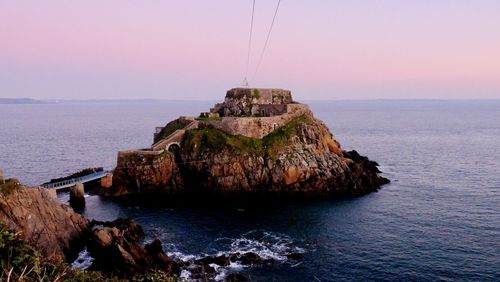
(300, 158)
(42, 221)
(117, 249)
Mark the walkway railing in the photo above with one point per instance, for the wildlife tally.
(73, 181)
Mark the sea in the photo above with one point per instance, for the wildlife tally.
(439, 218)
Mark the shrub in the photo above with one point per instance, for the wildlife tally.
(255, 93)
(171, 127)
(10, 186)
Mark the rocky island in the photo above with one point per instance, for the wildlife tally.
(257, 142)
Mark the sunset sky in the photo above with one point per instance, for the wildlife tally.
(194, 49)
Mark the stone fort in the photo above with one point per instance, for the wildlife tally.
(250, 112)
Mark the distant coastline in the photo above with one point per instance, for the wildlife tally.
(23, 101)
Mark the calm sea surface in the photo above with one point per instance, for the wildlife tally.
(439, 219)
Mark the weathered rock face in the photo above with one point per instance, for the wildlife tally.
(44, 222)
(306, 161)
(145, 172)
(301, 158)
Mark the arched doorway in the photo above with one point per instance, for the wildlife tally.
(175, 149)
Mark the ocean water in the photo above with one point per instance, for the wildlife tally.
(439, 219)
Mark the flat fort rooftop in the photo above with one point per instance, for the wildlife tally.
(261, 95)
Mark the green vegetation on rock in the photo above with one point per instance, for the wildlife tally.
(172, 126)
(204, 116)
(21, 262)
(218, 140)
(10, 186)
(256, 93)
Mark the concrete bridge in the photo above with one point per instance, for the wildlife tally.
(73, 181)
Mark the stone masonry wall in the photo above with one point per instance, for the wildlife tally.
(256, 127)
(242, 102)
(261, 95)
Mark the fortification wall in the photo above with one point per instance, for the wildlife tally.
(261, 95)
(246, 102)
(256, 127)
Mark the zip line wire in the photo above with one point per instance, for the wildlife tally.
(261, 57)
(267, 40)
(245, 81)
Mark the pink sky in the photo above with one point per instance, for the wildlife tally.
(197, 49)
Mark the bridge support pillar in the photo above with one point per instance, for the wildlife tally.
(107, 181)
(77, 197)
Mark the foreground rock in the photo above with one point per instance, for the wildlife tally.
(117, 249)
(41, 220)
(258, 142)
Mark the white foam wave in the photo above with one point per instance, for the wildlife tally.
(83, 261)
(268, 245)
(185, 274)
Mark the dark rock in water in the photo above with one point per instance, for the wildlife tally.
(234, 257)
(250, 258)
(268, 261)
(116, 249)
(209, 271)
(77, 197)
(295, 256)
(236, 277)
(202, 272)
(160, 259)
(219, 260)
(203, 269)
(40, 219)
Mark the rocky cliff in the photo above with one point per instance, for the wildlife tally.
(300, 158)
(41, 220)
